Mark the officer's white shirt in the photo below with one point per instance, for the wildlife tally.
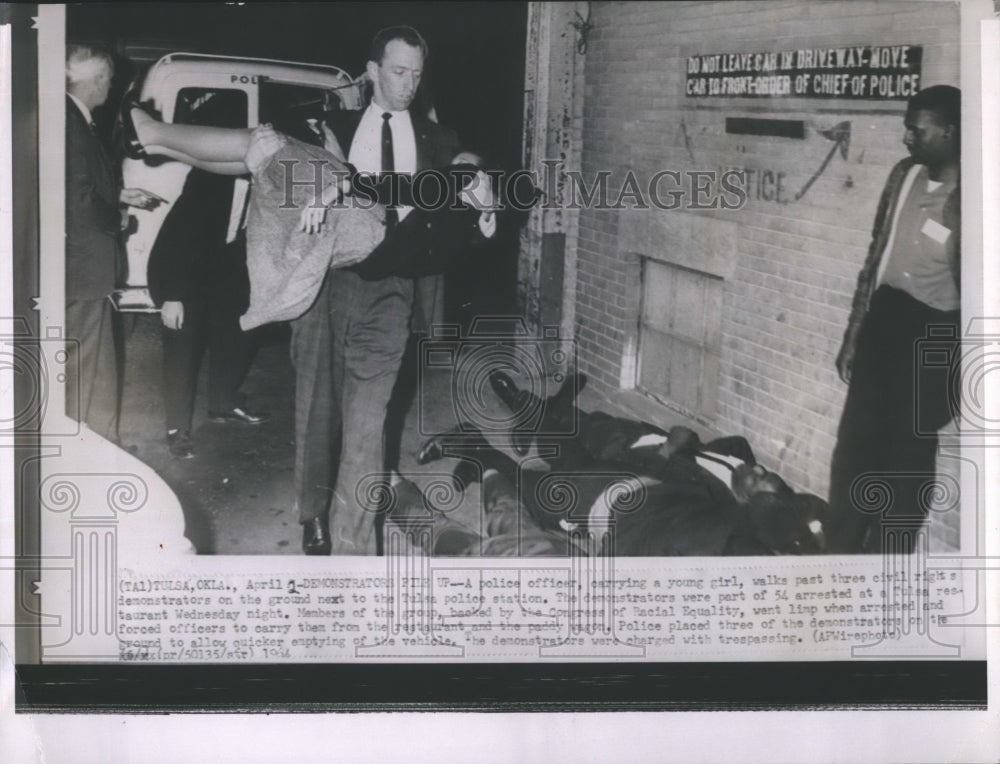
(366, 148)
(366, 151)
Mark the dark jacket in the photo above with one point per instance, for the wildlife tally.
(190, 256)
(94, 252)
(435, 237)
(436, 146)
(881, 230)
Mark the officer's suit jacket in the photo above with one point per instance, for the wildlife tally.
(436, 146)
(94, 251)
(433, 238)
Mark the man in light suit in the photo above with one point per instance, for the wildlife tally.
(348, 347)
(95, 217)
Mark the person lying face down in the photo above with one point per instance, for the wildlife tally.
(547, 500)
(503, 531)
(730, 459)
(713, 499)
(759, 514)
(710, 499)
(685, 511)
(509, 531)
(602, 439)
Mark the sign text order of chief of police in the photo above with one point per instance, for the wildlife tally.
(889, 72)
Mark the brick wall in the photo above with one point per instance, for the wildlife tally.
(794, 264)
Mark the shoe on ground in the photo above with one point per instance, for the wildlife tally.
(238, 415)
(316, 537)
(504, 388)
(179, 444)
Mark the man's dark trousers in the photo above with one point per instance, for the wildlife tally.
(348, 387)
(317, 418)
(888, 431)
(356, 331)
(94, 261)
(212, 312)
(92, 379)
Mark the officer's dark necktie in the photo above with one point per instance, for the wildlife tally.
(388, 165)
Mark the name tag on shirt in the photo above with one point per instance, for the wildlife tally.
(936, 231)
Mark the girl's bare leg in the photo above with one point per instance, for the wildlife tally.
(218, 168)
(192, 143)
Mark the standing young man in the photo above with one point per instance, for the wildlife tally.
(907, 289)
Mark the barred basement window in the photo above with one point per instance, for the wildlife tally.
(680, 337)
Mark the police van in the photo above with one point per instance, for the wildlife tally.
(197, 88)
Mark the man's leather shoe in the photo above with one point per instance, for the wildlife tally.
(431, 451)
(521, 441)
(508, 392)
(574, 383)
(179, 444)
(238, 415)
(316, 536)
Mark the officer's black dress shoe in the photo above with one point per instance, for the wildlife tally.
(179, 444)
(575, 382)
(517, 401)
(508, 392)
(238, 415)
(316, 537)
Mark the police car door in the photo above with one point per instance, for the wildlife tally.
(205, 95)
